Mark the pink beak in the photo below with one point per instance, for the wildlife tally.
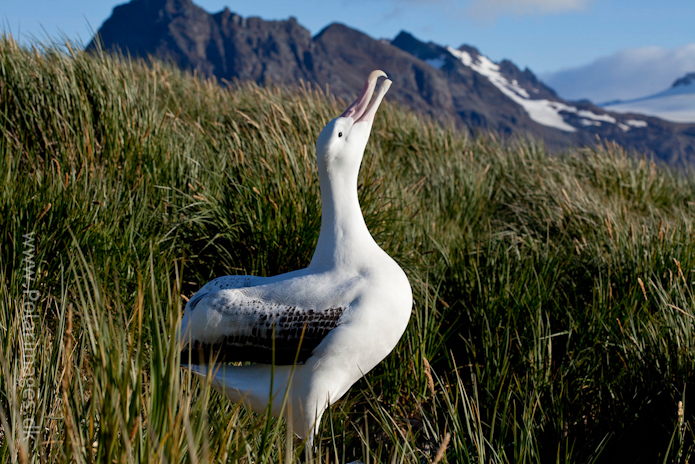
(359, 111)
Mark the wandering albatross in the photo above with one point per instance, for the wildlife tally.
(337, 318)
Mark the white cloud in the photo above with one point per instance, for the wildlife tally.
(627, 74)
(490, 9)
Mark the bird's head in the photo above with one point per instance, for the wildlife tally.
(341, 144)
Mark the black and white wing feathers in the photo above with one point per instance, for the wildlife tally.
(228, 325)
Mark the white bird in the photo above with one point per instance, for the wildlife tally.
(315, 330)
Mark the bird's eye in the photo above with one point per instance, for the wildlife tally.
(340, 134)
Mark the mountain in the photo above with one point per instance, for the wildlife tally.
(460, 85)
(556, 120)
(222, 44)
(676, 104)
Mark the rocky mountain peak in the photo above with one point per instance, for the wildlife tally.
(688, 79)
(471, 50)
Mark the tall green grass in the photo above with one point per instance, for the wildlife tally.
(554, 308)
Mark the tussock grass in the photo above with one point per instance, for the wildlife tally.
(554, 309)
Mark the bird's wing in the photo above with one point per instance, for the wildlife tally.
(236, 325)
(223, 283)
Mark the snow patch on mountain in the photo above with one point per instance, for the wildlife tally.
(676, 104)
(543, 111)
(674, 108)
(636, 123)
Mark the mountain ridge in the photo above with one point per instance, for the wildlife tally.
(451, 85)
(675, 104)
(688, 79)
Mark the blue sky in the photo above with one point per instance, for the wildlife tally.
(546, 35)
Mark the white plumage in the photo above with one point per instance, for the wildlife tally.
(338, 318)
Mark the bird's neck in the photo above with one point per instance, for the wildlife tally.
(344, 240)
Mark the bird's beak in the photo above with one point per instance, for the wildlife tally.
(360, 110)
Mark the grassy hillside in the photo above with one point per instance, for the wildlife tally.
(554, 296)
